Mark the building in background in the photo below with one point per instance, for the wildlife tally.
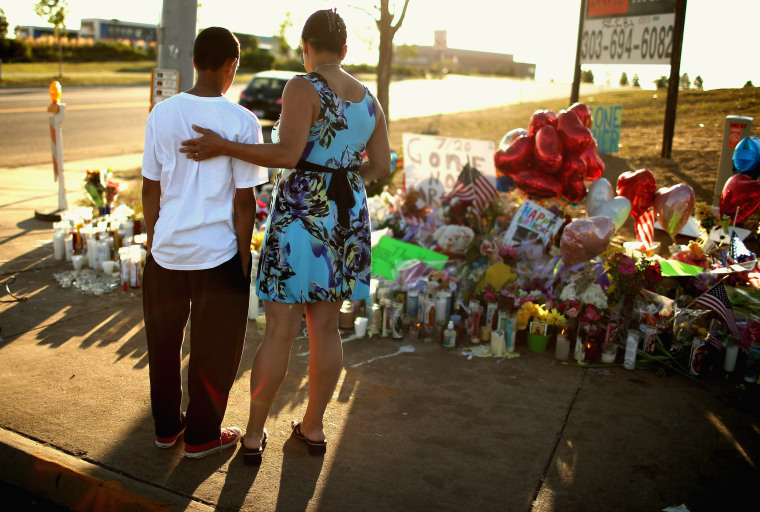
(143, 34)
(451, 60)
(31, 32)
(117, 30)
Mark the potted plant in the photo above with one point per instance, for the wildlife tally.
(542, 321)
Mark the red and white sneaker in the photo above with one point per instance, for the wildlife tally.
(168, 442)
(228, 439)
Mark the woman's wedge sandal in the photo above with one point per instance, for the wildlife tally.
(315, 447)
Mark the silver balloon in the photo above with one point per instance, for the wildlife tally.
(618, 209)
(510, 137)
(599, 192)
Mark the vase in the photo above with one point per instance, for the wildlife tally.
(537, 342)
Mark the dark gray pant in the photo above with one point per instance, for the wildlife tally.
(216, 301)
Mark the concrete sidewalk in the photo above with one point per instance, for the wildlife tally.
(422, 430)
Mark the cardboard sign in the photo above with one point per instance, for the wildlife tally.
(606, 127)
(432, 164)
(532, 222)
(390, 253)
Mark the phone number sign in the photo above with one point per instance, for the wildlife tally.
(628, 32)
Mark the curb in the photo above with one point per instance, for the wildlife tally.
(79, 485)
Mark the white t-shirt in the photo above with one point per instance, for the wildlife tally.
(195, 228)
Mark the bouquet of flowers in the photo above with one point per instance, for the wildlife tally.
(540, 313)
(101, 190)
(630, 275)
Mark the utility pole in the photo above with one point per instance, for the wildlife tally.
(176, 35)
(675, 73)
(576, 87)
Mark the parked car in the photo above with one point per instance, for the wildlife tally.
(263, 94)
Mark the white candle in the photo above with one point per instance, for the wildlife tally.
(440, 309)
(59, 247)
(68, 244)
(729, 363)
(562, 350)
(498, 346)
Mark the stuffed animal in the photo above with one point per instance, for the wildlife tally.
(440, 280)
(414, 205)
(453, 239)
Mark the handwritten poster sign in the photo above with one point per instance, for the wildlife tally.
(532, 222)
(606, 127)
(432, 164)
(389, 253)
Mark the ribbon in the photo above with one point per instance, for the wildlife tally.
(339, 189)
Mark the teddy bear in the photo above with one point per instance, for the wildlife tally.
(440, 280)
(452, 239)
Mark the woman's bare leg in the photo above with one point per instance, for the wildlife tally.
(271, 364)
(325, 363)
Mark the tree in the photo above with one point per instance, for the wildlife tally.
(282, 49)
(684, 82)
(635, 81)
(587, 76)
(661, 83)
(623, 79)
(55, 12)
(3, 25)
(385, 59)
(749, 84)
(698, 85)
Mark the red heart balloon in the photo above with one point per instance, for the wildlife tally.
(541, 118)
(516, 158)
(639, 187)
(585, 238)
(573, 169)
(574, 191)
(673, 206)
(538, 184)
(583, 113)
(548, 152)
(740, 194)
(594, 163)
(572, 132)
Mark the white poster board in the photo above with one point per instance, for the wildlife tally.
(432, 164)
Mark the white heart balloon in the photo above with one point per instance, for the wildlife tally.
(618, 209)
(599, 192)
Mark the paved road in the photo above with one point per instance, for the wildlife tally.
(110, 121)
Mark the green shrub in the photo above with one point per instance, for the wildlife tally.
(15, 50)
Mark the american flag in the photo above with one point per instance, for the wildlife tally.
(716, 300)
(712, 336)
(644, 226)
(473, 186)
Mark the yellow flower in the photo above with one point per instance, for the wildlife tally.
(523, 317)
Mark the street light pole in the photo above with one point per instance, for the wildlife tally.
(176, 35)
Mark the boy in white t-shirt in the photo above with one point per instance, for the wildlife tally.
(199, 217)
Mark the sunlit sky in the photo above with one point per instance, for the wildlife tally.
(720, 38)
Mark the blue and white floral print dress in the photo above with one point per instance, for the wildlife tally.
(317, 241)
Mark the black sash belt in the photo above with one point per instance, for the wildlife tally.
(339, 189)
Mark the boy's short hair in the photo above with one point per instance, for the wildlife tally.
(213, 47)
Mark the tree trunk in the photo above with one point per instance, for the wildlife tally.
(60, 59)
(384, 65)
(385, 59)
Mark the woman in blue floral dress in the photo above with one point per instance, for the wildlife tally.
(316, 250)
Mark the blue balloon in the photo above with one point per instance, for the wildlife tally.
(747, 157)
